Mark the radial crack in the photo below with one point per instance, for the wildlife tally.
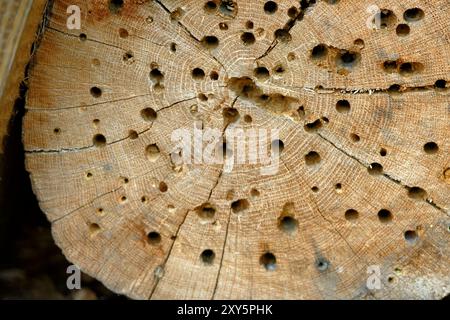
(387, 176)
(31, 109)
(222, 256)
(169, 253)
(191, 35)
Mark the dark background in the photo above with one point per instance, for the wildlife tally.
(31, 265)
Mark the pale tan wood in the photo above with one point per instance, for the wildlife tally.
(104, 201)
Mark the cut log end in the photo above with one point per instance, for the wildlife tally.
(246, 149)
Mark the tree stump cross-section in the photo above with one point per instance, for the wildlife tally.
(359, 205)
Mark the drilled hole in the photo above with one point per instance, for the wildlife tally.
(414, 14)
(240, 205)
(99, 140)
(322, 264)
(279, 69)
(115, 6)
(228, 8)
(133, 135)
(313, 126)
(163, 187)
(206, 211)
(269, 261)
(411, 237)
(123, 33)
(210, 7)
(230, 115)
(173, 47)
(176, 14)
(210, 42)
(214, 76)
(249, 25)
(409, 68)
(383, 152)
(315, 189)
(57, 131)
(440, 84)
(248, 38)
(202, 97)
(403, 30)
(198, 74)
(128, 57)
(351, 214)
(390, 66)
(248, 118)
(153, 238)
(83, 37)
(223, 26)
(431, 148)
(394, 88)
(355, 138)
(312, 158)
(288, 224)
(375, 169)
(152, 152)
(292, 12)
(343, 106)
(319, 51)
(149, 114)
(277, 146)
(95, 62)
(156, 76)
(261, 73)
(359, 43)
(283, 35)
(347, 59)
(207, 256)
(194, 109)
(270, 7)
(94, 229)
(417, 193)
(385, 216)
(96, 92)
(385, 18)
(255, 193)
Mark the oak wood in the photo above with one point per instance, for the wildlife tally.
(105, 197)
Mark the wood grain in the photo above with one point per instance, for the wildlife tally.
(363, 114)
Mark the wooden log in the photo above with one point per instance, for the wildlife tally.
(357, 206)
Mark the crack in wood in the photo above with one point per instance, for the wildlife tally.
(90, 147)
(386, 175)
(191, 35)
